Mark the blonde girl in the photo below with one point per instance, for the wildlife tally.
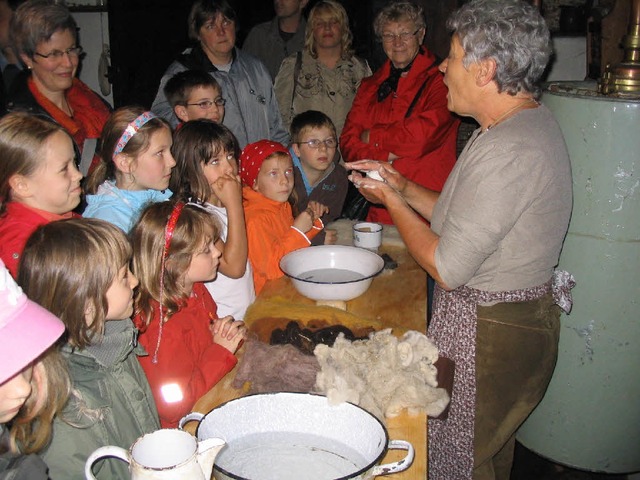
(39, 181)
(134, 169)
(79, 270)
(190, 348)
(34, 384)
(207, 173)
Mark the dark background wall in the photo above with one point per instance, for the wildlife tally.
(146, 35)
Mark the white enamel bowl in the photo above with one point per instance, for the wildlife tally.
(331, 272)
(294, 436)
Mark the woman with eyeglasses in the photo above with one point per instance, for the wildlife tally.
(495, 237)
(326, 74)
(399, 114)
(44, 35)
(251, 109)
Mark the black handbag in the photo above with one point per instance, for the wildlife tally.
(356, 207)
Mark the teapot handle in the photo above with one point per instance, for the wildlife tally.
(190, 417)
(109, 451)
(399, 466)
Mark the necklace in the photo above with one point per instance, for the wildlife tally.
(65, 107)
(508, 113)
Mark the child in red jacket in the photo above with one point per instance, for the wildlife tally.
(39, 181)
(266, 170)
(190, 348)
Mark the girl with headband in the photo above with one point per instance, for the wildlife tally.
(39, 181)
(190, 348)
(79, 270)
(135, 167)
(266, 169)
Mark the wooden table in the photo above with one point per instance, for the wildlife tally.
(396, 299)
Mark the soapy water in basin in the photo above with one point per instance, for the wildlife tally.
(289, 456)
(331, 275)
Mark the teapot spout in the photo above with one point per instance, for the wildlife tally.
(207, 451)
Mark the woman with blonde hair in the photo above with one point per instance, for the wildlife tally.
(326, 74)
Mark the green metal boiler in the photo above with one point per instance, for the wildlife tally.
(590, 416)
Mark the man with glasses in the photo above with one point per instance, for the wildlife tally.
(399, 114)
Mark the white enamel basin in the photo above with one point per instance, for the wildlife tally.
(332, 272)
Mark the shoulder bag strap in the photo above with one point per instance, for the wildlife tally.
(296, 72)
(419, 92)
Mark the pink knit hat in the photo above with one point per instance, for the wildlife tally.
(252, 157)
(26, 329)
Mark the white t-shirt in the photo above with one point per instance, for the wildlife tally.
(232, 295)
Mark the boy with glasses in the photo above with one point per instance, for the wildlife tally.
(194, 94)
(318, 175)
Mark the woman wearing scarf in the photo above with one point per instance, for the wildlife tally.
(44, 34)
(399, 114)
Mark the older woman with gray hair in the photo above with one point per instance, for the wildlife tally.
(495, 237)
(45, 36)
(400, 113)
(326, 74)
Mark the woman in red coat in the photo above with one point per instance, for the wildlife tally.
(400, 113)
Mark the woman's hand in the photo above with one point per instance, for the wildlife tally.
(228, 189)
(389, 174)
(228, 333)
(376, 191)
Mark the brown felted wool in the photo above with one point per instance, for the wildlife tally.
(275, 368)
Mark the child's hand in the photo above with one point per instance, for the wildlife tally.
(304, 221)
(330, 236)
(228, 333)
(318, 209)
(228, 189)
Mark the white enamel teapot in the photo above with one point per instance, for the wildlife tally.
(167, 454)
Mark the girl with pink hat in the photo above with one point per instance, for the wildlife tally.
(266, 169)
(33, 380)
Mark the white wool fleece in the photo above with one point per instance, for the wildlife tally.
(382, 374)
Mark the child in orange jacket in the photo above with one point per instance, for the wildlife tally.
(266, 170)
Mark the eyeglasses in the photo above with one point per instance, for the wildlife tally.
(58, 54)
(315, 143)
(207, 104)
(391, 37)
